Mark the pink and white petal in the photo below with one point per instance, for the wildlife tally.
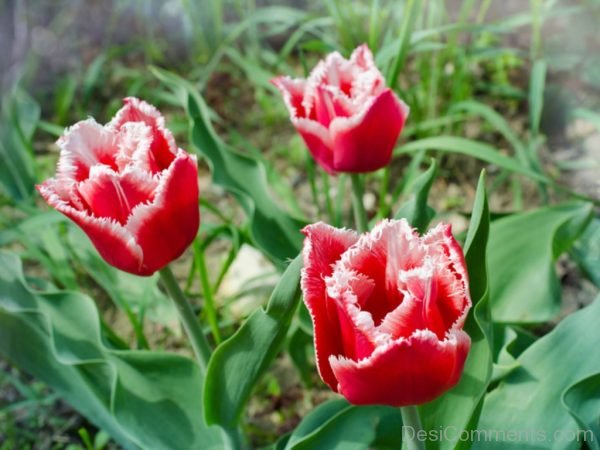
(346, 288)
(113, 242)
(134, 140)
(405, 372)
(364, 142)
(329, 104)
(165, 227)
(392, 246)
(317, 139)
(334, 71)
(368, 80)
(292, 91)
(323, 246)
(163, 145)
(113, 195)
(442, 245)
(85, 144)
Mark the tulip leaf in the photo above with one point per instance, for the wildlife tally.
(127, 291)
(583, 402)
(541, 394)
(469, 147)
(416, 210)
(18, 121)
(459, 407)
(338, 425)
(143, 399)
(523, 249)
(273, 231)
(586, 251)
(237, 364)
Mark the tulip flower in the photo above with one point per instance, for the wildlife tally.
(388, 308)
(348, 118)
(128, 186)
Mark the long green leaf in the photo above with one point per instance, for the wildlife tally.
(478, 150)
(237, 364)
(143, 399)
(273, 231)
(529, 401)
(337, 425)
(459, 408)
(523, 249)
(416, 210)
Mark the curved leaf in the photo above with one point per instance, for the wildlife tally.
(478, 150)
(143, 399)
(416, 210)
(338, 425)
(523, 248)
(459, 408)
(583, 402)
(529, 399)
(273, 231)
(238, 363)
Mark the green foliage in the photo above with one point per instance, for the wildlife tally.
(273, 231)
(18, 121)
(522, 250)
(237, 364)
(143, 399)
(539, 396)
(416, 210)
(338, 425)
(460, 407)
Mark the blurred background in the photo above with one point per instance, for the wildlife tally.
(520, 76)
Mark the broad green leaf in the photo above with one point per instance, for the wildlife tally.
(416, 210)
(273, 231)
(143, 399)
(338, 425)
(586, 251)
(141, 294)
(583, 402)
(529, 401)
(237, 364)
(479, 150)
(522, 250)
(459, 407)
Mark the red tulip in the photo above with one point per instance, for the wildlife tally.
(348, 119)
(388, 309)
(129, 187)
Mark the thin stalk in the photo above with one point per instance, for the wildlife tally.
(310, 171)
(360, 215)
(384, 208)
(339, 200)
(188, 318)
(411, 420)
(327, 192)
(207, 292)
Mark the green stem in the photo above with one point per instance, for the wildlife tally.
(384, 186)
(412, 422)
(187, 317)
(360, 215)
(207, 293)
(327, 192)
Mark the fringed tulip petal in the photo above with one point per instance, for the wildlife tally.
(348, 119)
(128, 187)
(388, 309)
